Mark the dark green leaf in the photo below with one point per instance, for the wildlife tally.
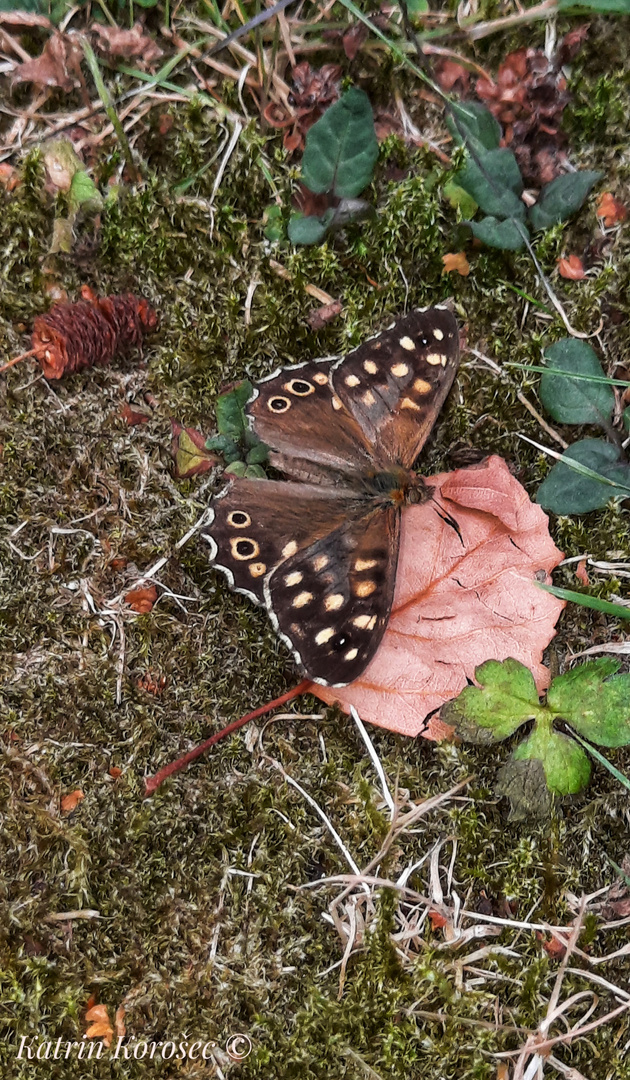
(567, 491)
(84, 192)
(597, 706)
(258, 454)
(499, 234)
(471, 121)
(255, 472)
(309, 230)
(222, 443)
(617, 7)
(507, 697)
(561, 198)
(495, 183)
(238, 468)
(576, 401)
(229, 408)
(524, 784)
(567, 768)
(341, 148)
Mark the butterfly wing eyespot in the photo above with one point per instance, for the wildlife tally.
(278, 404)
(299, 387)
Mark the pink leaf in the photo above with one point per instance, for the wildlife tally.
(459, 603)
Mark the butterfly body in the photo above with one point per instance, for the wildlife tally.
(320, 549)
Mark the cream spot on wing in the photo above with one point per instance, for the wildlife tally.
(243, 548)
(239, 519)
(320, 378)
(444, 361)
(324, 635)
(293, 578)
(437, 333)
(407, 403)
(365, 622)
(257, 569)
(278, 404)
(370, 367)
(365, 564)
(336, 403)
(334, 602)
(289, 549)
(351, 380)
(368, 398)
(407, 344)
(320, 562)
(421, 386)
(302, 599)
(399, 370)
(352, 654)
(365, 588)
(435, 358)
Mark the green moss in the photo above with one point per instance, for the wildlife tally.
(192, 946)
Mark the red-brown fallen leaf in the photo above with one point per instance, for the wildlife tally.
(153, 682)
(571, 267)
(437, 920)
(552, 946)
(9, 177)
(114, 771)
(133, 416)
(127, 43)
(321, 316)
(59, 64)
(119, 1021)
(71, 801)
(142, 600)
(459, 602)
(100, 1025)
(610, 209)
(354, 38)
(188, 449)
(581, 574)
(452, 76)
(456, 262)
(24, 20)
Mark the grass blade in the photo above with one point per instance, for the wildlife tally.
(586, 600)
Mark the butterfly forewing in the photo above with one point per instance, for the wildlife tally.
(331, 600)
(311, 435)
(395, 384)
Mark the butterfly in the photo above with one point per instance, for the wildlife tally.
(320, 549)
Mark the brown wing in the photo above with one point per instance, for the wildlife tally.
(395, 384)
(311, 434)
(257, 524)
(331, 601)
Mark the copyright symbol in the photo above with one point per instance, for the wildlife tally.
(238, 1047)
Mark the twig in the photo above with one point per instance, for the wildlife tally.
(152, 783)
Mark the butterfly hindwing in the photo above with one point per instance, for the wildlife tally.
(311, 435)
(259, 523)
(331, 601)
(395, 384)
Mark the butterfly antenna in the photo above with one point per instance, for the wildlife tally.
(447, 518)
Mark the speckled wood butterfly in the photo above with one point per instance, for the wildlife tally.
(320, 551)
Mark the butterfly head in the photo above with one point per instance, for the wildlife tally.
(399, 486)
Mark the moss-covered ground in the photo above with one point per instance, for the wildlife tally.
(200, 929)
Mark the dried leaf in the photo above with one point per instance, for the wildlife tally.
(456, 263)
(354, 38)
(611, 210)
(71, 801)
(189, 451)
(128, 43)
(581, 574)
(552, 946)
(119, 1021)
(9, 177)
(571, 267)
(133, 416)
(153, 682)
(143, 599)
(455, 606)
(59, 65)
(321, 316)
(114, 772)
(452, 76)
(100, 1026)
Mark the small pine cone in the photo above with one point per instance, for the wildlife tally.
(72, 336)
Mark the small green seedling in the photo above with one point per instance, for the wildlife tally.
(582, 396)
(591, 699)
(339, 158)
(236, 442)
(492, 178)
